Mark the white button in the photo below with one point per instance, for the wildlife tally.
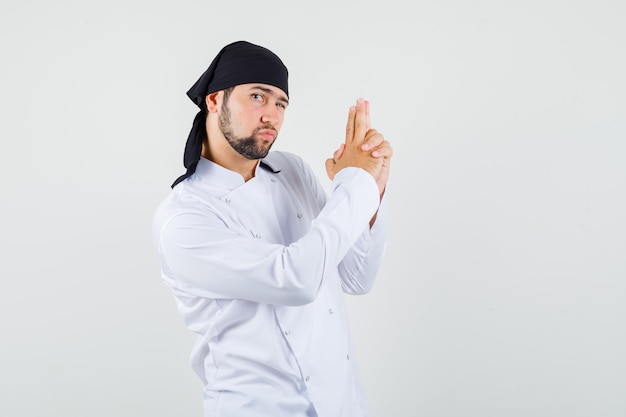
(306, 378)
(330, 311)
(257, 236)
(287, 332)
(227, 200)
(348, 357)
(272, 179)
(299, 215)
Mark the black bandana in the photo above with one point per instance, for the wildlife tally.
(237, 63)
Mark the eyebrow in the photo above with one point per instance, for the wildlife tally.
(266, 90)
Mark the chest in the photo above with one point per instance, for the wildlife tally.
(271, 209)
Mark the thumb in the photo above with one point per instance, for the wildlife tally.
(330, 162)
(339, 152)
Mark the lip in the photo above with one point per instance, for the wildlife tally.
(268, 134)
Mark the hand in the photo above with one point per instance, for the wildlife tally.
(373, 141)
(351, 154)
(380, 148)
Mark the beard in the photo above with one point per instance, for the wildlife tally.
(245, 146)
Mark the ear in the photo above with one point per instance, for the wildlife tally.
(212, 103)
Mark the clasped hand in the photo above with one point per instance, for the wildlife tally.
(364, 148)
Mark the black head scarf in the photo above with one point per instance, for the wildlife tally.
(240, 62)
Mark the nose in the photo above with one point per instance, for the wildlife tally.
(270, 115)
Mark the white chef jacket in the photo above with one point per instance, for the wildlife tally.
(258, 270)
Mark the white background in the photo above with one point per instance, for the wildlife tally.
(503, 290)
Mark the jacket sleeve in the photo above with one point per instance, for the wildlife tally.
(359, 268)
(200, 253)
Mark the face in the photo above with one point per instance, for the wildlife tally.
(251, 117)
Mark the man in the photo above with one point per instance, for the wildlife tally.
(258, 256)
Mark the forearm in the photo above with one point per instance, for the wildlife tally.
(204, 254)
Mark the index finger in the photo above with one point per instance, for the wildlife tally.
(360, 121)
(350, 125)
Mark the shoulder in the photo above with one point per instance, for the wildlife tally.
(183, 200)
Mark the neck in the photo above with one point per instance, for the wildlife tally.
(220, 152)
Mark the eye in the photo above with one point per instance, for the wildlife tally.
(281, 105)
(256, 97)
